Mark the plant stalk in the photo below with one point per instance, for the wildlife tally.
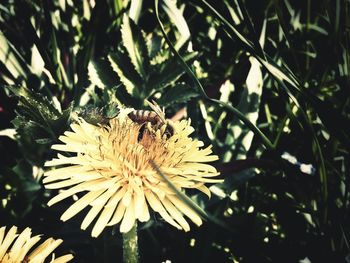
(130, 246)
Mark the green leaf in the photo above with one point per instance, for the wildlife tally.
(169, 71)
(121, 64)
(281, 74)
(101, 74)
(135, 9)
(176, 16)
(60, 124)
(180, 93)
(38, 119)
(10, 58)
(244, 41)
(241, 137)
(135, 45)
(154, 45)
(38, 107)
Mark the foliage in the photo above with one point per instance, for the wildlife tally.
(265, 82)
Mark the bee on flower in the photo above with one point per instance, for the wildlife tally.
(111, 170)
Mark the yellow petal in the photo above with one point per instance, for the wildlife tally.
(69, 192)
(80, 204)
(11, 235)
(101, 200)
(63, 259)
(64, 173)
(144, 216)
(44, 249)
(117, 197)
(90, 216)
(29, 244)
(157, 206)
(128, 219)
(118, 215)
(176, 214)
(102, 221)
(185, 209)
(63, 184)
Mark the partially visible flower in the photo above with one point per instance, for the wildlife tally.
(112, 167)
(22, 248)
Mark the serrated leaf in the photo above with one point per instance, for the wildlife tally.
(111, 110)
(122, 95)
(180, 93)
(121, 64)
(154, 45)
(93, 115)
(29, 129)
(101, 74)
(135, 45)
(60, 124)
(34, 138)
(38, 118)
(37, 106)
(169, 71)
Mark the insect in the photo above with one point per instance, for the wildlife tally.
(155, 118)
(99, 115)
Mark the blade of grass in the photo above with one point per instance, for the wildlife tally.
(249, 23)
(8, 58)
(265, 60)
(280, 77)
(189, 71)
(321, 164)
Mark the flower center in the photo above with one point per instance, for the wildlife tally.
(134, 145)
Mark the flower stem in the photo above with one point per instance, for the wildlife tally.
(130, 246)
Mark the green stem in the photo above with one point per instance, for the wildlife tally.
(130, 246)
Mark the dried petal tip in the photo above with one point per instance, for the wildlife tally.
(111, 170)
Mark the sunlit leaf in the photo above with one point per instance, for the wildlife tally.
(249, 104)
(121, 64)
(179, 93)
(9, 57)
(135, 45)
(176, 16)
(101, 74)
(135, 10)
(169, 71)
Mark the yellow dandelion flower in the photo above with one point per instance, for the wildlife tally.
(111, 166)
(23, 243)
